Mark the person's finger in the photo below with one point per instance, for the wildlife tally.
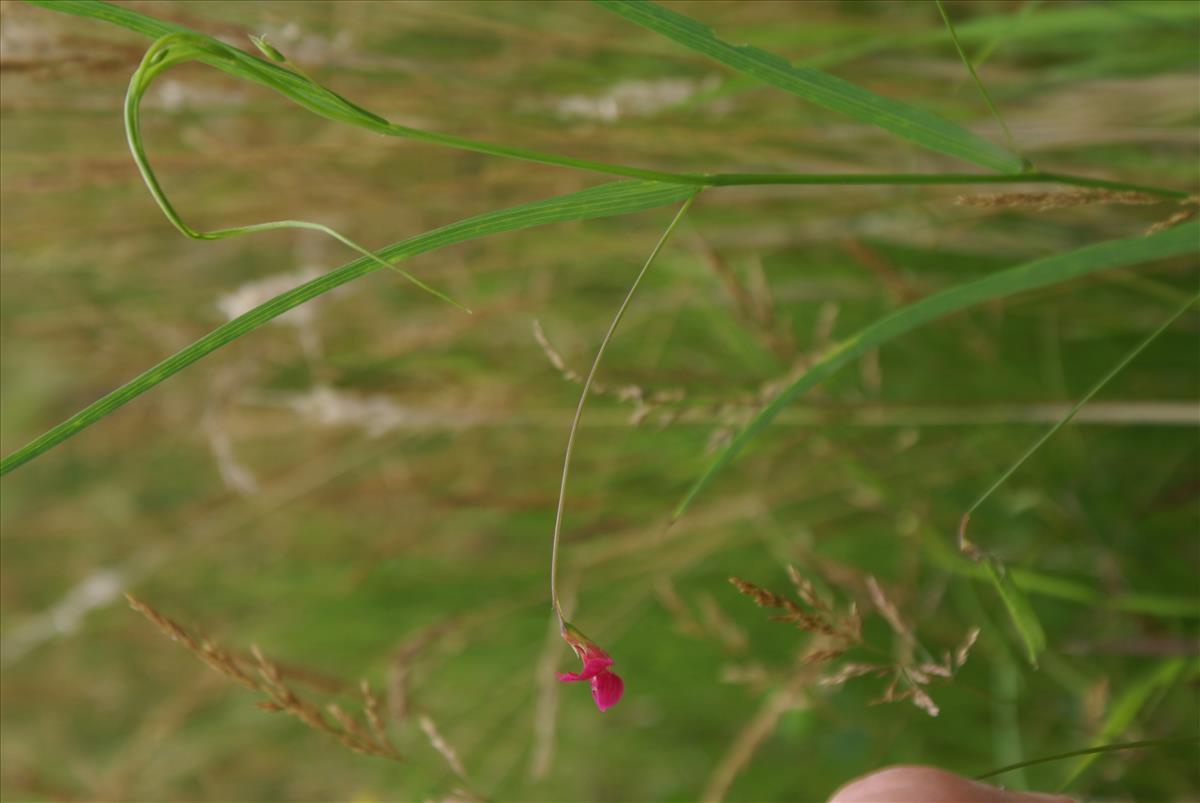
(913, 784)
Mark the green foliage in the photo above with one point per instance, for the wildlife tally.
(1130, 703)
(609, 199)
(1022, 278)
(901, 119)
(365, 487)
(1019, 610)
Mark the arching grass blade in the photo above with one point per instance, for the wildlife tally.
(916, 125)
(616, 198)
(1029, 276)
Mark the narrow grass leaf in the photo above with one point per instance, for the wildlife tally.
(616, 198)
(1129, 704)
(946, 558)
(1029, 276)
(1104, 748)
(1062, 422)
(916, 125)
(1019, 610)
(987, 97)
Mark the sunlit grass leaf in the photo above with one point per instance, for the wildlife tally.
(1029, 276)
(616, 198)
(1127, 706)
(916, 125)
(1019, 610)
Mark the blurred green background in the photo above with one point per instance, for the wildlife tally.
(377, 472)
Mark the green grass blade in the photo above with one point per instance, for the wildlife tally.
(997, 38)
(1092, 391)
(945, 557)
(916, 125)
(1029, 276)
(616, 198)
(987, 97)
(1104, 748)
(1127, 706)
(1019, 610)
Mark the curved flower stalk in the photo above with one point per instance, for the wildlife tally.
(607, 687)
(177, 48)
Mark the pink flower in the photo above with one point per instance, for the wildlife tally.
(606, 686)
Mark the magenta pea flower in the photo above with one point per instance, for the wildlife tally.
(606, 686)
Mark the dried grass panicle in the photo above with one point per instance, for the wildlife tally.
(888, 611)
(805, 590)
(908, 677)
(1044, 201)
(849, 672)
(964, 649)
(202, 647)
(645, 403)
(836, 635)
(441, 745)
(1174, 220)
(822, 656)
(924, 702)
(809, 623)
(762, 597)
(271, 681)
(373, 710)
(842, 631)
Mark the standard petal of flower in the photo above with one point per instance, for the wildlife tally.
(607, 689)
(595, 664)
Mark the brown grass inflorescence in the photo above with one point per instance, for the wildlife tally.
(838, 634)
(1044, 201)
(270, 680)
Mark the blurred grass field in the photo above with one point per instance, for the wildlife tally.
(378, 471)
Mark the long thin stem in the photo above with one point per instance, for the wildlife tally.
(964, 545)
(962, 54)
(1104, 748)
(587, 384)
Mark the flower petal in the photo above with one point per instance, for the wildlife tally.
(607, 689)
(595, 664)
(571, 677)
